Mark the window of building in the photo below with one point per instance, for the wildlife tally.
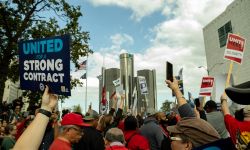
(223, 31)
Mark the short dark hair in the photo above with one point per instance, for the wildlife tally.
(211, 105)
(9, 128)
(239, 115)
(130, 123)
(197, 102)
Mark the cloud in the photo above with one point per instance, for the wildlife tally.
(120, 39)
(178, 39)
(139, 8)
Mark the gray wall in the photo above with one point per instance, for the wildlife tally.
(238, 13)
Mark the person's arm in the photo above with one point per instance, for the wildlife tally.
(184, 108)
(118, 116)
(55, 124)
(122, 101)
(175, 88)
(196, 112)
(114, 105)
(224, 105)
(32, 136)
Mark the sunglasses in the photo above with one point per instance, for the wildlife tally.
(79, 130)
(175, 138)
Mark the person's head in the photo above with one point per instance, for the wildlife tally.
(4, 124)
(71, 127)
(161, 117)
(92, 118)
(10, 129)
(130, 123)
(104, 122)
(210, 106)
(17, 109)
(180, 142)
(114, 135)
(140, 120)
(191, 133)
(246, 113)
(239, 114)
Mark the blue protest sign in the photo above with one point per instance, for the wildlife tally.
(45, 62)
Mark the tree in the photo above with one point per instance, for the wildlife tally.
(166, 106)
(28, 19)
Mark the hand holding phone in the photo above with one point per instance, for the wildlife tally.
(169, 71)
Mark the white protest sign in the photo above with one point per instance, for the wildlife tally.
(207, 86)
(117, 82)
(234, 48)
(143, 85)
(119, 89)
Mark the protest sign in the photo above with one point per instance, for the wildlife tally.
(207, 86)
(143, 85)
(45, 62)
(234, 48)
(117, 82)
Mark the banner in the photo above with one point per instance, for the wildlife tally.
(143, 85)
(45, 62)
(207, 86)
(234, 48)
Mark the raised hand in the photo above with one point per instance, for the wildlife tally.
(49, 101)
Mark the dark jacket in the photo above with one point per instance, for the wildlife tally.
(91, 140)
(152, 131)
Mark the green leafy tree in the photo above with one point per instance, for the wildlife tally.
(166, 106)
(28, 19)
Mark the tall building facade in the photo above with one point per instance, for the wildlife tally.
(111, 74)
(235, 19)
(147, 101)
(127, 75)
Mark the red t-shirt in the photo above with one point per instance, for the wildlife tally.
(233, 125)
(59, 144)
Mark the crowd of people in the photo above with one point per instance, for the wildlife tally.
(185, 129)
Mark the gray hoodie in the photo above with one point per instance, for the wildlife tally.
(152, 131)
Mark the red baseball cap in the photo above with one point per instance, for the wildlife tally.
(73, 119)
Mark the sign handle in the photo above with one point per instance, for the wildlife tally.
(203, 101)
(229, 74)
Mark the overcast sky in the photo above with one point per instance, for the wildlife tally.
(154, 31)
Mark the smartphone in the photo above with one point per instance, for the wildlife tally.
(169, 71)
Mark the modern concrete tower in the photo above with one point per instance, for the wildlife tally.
(111, 74)
(106, 80)
(149, 101)
(127, 74)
